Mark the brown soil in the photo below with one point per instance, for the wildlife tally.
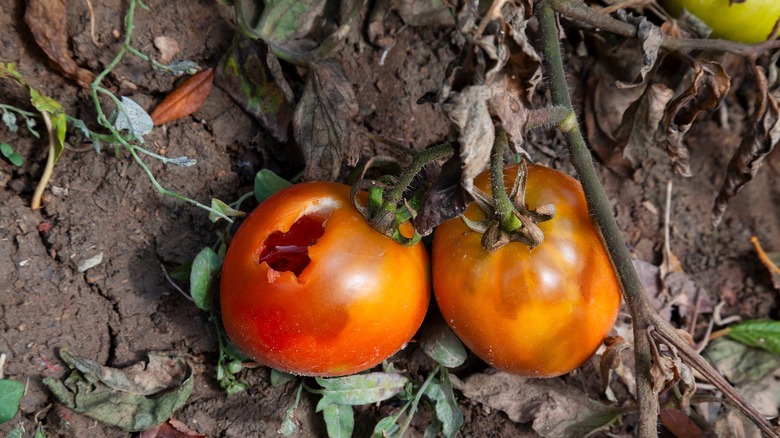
(104, 203)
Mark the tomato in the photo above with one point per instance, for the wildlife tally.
(308, 287)
(750, 21)
(535, 313)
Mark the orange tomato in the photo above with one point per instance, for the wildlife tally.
(308, 287)
(535, 313)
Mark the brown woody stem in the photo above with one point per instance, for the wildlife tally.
(577, 10)
(600, 210)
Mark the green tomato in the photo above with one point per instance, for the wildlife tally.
(747, 22)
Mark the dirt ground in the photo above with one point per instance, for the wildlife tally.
(103, 203)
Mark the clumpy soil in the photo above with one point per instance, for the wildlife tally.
(103, 203)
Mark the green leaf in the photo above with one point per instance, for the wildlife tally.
(182, 67)
(760, 333)
(267, 183)
(8, 152)
(339, 420)
(223, 208)
(9, 119)
(205, 269)
(386, 427)
(245, 72)
(182, 273)
(279, 378)
(59, 121)
(740, 363)
(132, 118)
(16, 432)
(447, 410)
(285, 19)
(360, 389)
(11, 393)
(39, 432)
(123, 398)
(288, 423)
(441, 344)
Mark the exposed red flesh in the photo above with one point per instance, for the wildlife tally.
(290, 251)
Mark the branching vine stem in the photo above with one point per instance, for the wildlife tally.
(96, 88)
(645, 319)
(420, 160)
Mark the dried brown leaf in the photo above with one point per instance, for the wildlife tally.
(424, 12)
(556, 409)
(444, 199)
(47, 21)
(710, 85)
(610, 359)
(679, 424)
(185, 99)
(650, 37)
(469, 114)
(760, 140)
(520, 71)
(171, 429)
(641, 121)
(322, 124)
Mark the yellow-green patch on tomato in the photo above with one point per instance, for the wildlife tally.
(750, 21)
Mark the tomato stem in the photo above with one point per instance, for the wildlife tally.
(645, 319)
(504, 210)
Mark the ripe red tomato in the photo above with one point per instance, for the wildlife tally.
(535, 313)
(308, 287)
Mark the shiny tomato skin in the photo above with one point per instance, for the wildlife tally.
(534, 313)
(359, 299)
(748, 22)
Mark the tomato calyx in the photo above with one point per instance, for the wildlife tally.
(519, 224)
(289, 251)
(383, 216)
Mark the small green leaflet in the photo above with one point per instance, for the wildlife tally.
(205, 269)
(223, 208)
(761, 333)
(11, 393)
(288, 424)
(132, 118)
(9, 153)
(279, 378)
(360, 389)
(339, 420)
(267, 183)
(441, 344)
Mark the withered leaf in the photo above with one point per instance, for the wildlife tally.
(444, 199)
(185, 99)
(322, 124)
(171, 429)
(47, 20)
(610, 359)
(424, 12)
(556, 409)
(141, 398)
(468, 112)
(710, 85)
(676, 422)
(637, 131)
(651, 37)
(514, 85)
(762, 136)
(246, 72)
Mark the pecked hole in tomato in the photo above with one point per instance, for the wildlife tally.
(290, 251)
